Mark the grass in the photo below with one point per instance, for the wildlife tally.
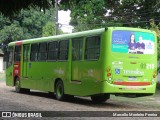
(2, 77)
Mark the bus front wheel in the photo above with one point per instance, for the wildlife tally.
(100, 98)
(59, 90)
(18, 88)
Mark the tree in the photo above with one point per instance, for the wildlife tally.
(90, 14)
(11, 7)
(157, 5)
(9, 34)
(27, 25)
(136, 13)
(156, 28)
(94, 13)
(33, 20)
(97, 13)
(49, 30)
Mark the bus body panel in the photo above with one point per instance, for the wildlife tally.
(130, 71)
(89, 76)
(43, 76)
(112, 73)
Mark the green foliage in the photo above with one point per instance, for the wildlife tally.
(33, 21)
(156, 28)
(10, 33)
(27, 25)
(11, 7)
(126, 10)
(136, 13)
(100, 13)
(87, 15)
(48, 29)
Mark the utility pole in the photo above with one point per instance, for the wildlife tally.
(56, 16)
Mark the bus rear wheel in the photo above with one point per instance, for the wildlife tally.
(100, 98)
(60, 90)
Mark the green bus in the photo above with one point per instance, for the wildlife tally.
(96, 63)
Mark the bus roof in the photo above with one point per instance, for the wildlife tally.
(59, 37)
(73, 35)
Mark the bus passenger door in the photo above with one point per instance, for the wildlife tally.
(17, 61)
(25, 60)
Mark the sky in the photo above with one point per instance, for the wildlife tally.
(63, 20)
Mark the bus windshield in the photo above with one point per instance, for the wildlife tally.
(132, 42)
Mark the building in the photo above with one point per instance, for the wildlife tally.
(1, 62)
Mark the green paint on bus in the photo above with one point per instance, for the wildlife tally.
(96, 63)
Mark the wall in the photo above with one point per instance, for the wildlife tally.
(1, 65)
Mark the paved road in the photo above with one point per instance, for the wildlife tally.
(38, 101)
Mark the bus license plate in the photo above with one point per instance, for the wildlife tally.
(132, 78)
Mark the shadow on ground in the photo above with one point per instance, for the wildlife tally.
(76, 100)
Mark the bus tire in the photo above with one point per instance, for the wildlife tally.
(18, 88)
(69, 97)
(25, 90)
(100, 98)
(59, 90)
(158, 85)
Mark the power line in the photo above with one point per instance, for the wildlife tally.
(114, 22)
(124, 21)
(139, 11)
(127, 19)
(128, 15)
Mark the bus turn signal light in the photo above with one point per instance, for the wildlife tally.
(109, 74)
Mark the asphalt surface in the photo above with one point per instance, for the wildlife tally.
(39, 101)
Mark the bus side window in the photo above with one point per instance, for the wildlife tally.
(63, 49)
(42, 53)
(34, 52)
(53, 50)
(9, 57)
(92, 50)
(17, 53)
(77, 44)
